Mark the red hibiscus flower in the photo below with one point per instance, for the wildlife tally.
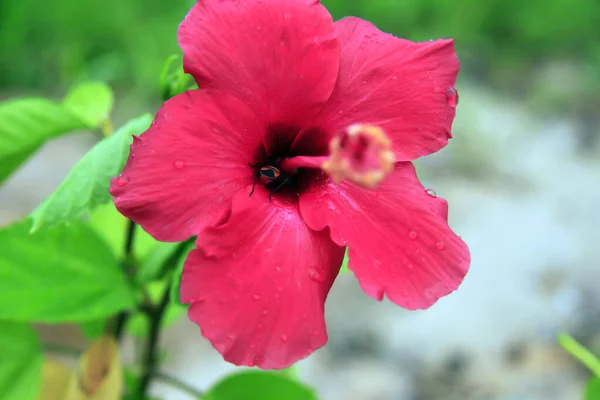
(298, 144)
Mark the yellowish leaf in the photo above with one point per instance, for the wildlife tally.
(99, 375)
(55, 379)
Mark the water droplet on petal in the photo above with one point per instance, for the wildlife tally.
(431, 192)
(257, 359)
(309, 351)
(122, 181)
(284, 338)
(212, 322)
(452, 97)
(440, 245)
(230, 338)
(256, 297)
(413, 235)
(265, 312)
(410, 266)
(316, 275)
(179, 164)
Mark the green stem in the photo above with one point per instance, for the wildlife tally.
(121, 320)
(150, 360)
(184, 387)
(585, 356)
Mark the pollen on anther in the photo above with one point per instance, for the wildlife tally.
(361, 154)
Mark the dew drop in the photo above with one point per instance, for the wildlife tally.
(440, 245)
(410, 266)
(122, 181)
(212, 322)
(257, 359)
(431, 192)
(284, 338)
(278, 269)
(413, 235)
(259, 326)
(309, 351)
(265, 312)
(452, 97)
(179, 164)
(316, 275)
(394, 78)
(230, 338)
(256, 297)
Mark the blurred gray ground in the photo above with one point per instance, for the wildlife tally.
(523, 194)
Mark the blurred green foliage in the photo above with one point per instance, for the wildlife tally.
(51, 45)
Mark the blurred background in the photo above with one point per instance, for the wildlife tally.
(521, 176)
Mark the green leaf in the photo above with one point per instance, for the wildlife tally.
(93, 329)
(62, 274)
(25, 124)
(20, 362)
(592, 389)
(176, 82)
(153, 262)
(259, 385)
(344, 269)
(91, 102)
(86, 185)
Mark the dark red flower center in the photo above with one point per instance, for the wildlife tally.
(268, 171)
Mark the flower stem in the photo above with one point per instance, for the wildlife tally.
(121, 320)
(585, 356)
(184, 387)
(150, 360)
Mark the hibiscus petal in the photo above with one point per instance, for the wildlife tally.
(399, 242)
(257, 284)
(404, 87)
(183, 171)
(280, 57)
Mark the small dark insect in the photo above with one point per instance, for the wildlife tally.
(270, 175)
